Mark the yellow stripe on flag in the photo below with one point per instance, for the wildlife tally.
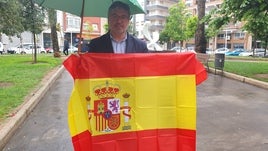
(156, 102)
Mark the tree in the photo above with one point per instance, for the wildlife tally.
(191, 26)
(200, 39)
(254, 25)
(252, 12)
(10, 18)
(164, 38)
(33, 20)
(176, 24)
(52, 17)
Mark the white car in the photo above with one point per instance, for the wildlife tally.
(73, 49)
(26, 48)
(246, 53)
(1, 48)
(222, 50)
(259, 52)
(177, 49)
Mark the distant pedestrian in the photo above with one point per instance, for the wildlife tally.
(66, 47)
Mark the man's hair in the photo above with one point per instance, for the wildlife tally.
(119, 4)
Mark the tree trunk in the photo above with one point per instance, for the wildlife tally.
(200, 39)
(53, 34)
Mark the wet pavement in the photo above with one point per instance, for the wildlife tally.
(231, 116)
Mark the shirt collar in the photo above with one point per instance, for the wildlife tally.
(118, 41)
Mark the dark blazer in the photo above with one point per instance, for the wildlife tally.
(103, 44)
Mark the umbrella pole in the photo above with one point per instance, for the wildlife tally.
(81, 27)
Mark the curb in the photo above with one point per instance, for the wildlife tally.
(243, 79)
(9, 128)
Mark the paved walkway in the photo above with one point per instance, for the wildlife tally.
(231, 116)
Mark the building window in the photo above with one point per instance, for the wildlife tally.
(239, 35)
(73, 22)
(95, 27)
(239, 45)
(221, 36)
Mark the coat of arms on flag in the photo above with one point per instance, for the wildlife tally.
(107, 108)
(134, 102)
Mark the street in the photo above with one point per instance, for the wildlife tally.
(231, 116)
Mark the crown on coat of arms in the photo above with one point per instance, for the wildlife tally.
(106, 90)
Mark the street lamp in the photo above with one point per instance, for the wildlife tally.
(225, 38)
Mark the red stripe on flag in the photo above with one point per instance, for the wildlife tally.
(90, 65)
(156, 140)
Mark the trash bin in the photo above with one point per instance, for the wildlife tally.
(219, 61)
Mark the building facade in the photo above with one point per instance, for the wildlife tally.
(92, 27)
(156, 14)
(232, 36)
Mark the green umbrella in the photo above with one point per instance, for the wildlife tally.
(88, 8)
(94, 8)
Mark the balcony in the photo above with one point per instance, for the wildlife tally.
(155, 17)
(156, 7)
(156, 27)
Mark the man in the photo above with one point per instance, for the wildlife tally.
(66, 47)
(118, 40)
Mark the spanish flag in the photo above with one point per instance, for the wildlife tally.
(134, 102)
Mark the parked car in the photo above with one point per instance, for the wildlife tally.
(222, 50)
(25, 48)
(177, 49)
(235, 52)
(17, 49)
(190, 49)
(246, 53)
(73, 49)
(259, 52)
(1, 48)
(48, 50)
(39, 49)
(209, 51)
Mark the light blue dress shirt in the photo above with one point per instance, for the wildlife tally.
(119, 46)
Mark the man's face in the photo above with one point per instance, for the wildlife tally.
(118, 21)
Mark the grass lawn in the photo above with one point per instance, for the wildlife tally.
(19, 76)
(255, 68)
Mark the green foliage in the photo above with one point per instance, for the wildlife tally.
(163, 37)
(176, 24)
(33, 16)
(191, 26)
(242, 10)
(10, 18)
(259, 22)
(106, 27)
(20, 15)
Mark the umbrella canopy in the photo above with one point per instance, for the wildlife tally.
(93, 8)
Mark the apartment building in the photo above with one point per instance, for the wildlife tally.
(231, 36)
(156, 14)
